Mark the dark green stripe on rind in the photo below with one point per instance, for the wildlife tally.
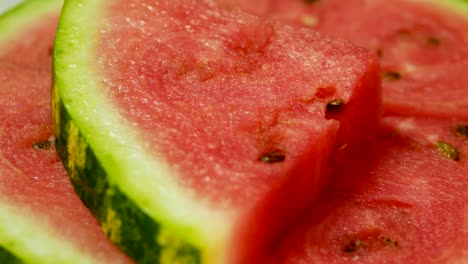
(7, 257)
(138, 235)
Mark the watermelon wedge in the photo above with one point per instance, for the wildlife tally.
(422, 45)
(198, 134)
(42, 220)
(406, 204)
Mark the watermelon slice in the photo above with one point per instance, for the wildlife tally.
(408, 204)
(42, 220)
(422, 45)
(196, 133)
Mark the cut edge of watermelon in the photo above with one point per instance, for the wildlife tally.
(41, 246)
(76, 78)
(22, 15)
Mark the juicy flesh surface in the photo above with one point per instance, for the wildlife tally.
(423, 44)
(213, 90)
(34, 50)
(406, 202)
(32, 178)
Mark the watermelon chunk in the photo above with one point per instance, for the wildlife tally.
(422, 44)
(198, 133)
(406, 204)
(42, 220)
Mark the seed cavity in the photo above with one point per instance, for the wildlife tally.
(392, 76)
(379, 53)
(334, 107)
(45, 144)
(433, 41)
(369, 243)
(462, 130)
(272, 156)
(352, 246)
(344, 146)
(448, 150)
(389, 242)
(309, 20)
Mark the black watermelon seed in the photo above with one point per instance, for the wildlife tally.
(392, 76)
(352, 246)
(462, 130)
(45, 144)
(335, 107)
(272, 156)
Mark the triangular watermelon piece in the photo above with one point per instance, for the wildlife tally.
(422, 45)
(197, 133)
(405, 204)
(42, 220)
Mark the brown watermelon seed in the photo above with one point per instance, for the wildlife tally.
(433, 41)
(448, 150)
(462, 130)
(352, 246)
(272, 156)
(310, 1)
(334, 107)
(392, 76)
(44, 144)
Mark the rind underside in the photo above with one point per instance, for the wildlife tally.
(8, 257)
(124, 222)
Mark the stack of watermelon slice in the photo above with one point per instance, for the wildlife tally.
(233, 131)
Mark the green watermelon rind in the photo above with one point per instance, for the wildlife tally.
(134, 176)
(14, 20)
(30, 240)
(116, 213)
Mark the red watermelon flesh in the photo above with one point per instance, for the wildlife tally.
(33, 179)
(427, 46)
(400, 201)
(32, 50)
(192, 80)
(209, 86)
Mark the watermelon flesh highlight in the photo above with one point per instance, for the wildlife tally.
(400, 201)
(33, 180)
(426, 45)
(211, 86)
